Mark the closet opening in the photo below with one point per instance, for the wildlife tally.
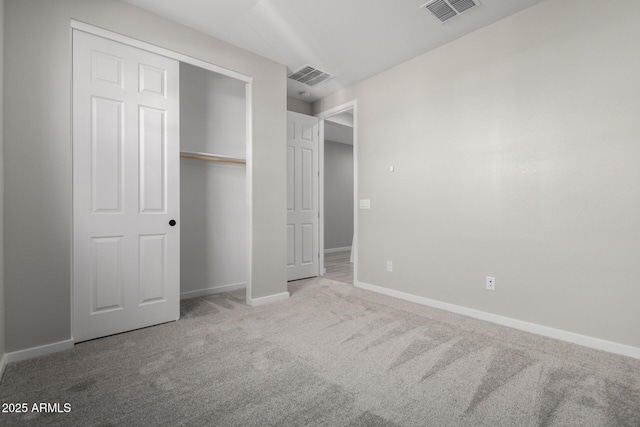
(213, 183)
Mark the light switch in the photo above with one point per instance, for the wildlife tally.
(391, 168)
(365, 204)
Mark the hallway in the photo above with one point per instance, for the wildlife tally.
(338, 267)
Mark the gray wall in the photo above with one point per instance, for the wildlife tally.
(338, 195)
(298, 106)
(38, 154)
(516, 152)
(2, 310)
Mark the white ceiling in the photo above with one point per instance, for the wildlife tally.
(352, 39)
(339, 128)
(338, 133)
(345, 118)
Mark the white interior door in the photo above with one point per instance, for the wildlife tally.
(302, 196)
(126, 184)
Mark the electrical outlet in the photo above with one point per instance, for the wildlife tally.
(491, 283)
(389, 266)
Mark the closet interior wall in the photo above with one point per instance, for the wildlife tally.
(212, 194)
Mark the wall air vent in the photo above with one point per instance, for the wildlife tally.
(447, 9)
(310, 76)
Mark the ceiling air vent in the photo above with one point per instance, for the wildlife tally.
(447, 9)
(310, 76)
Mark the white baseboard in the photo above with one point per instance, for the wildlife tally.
(583, 340)
(268, 300)
(211, 291)
(3, 364)
(30, 353)
(332, 250)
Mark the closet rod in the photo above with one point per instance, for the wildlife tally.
(211, 157)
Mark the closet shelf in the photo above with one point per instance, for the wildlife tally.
(212, 157)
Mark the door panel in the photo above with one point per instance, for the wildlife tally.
(152, 266)
(307, 131)
(291, 236)
(152, 165)
(307, 244)
(126, 182)
(106, 154)
(309, 178)
(302, 196)
(107, 283)
(106, 68)
(291, 178)
(152, 80)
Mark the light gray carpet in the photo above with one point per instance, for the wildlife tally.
(331, 355)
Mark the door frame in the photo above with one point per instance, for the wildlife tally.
(248, 80)
(322, 116)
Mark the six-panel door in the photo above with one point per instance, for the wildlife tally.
(302, 196)
(125, 188)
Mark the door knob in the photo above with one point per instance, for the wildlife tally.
(172, 222)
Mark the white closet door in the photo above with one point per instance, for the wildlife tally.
(302, 196)
(126, 188)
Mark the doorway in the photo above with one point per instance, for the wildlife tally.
(338, 257)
